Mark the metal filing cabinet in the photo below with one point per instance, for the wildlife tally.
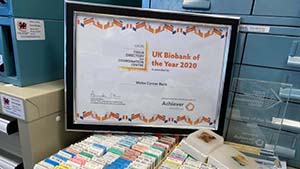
(9, 143)
(31, 41)
(272, 56)
(40, 130)
(268, 49)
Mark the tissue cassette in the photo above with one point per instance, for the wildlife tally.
(226, 157)
(202, 142)
(179, 159)
(105, 151)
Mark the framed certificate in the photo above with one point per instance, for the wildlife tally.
(137, 70)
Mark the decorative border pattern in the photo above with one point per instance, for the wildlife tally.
(148, 27)
(139, 116)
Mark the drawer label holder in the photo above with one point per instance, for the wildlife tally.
(255, 28)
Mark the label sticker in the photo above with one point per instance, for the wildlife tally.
(3, 125)
(12, 106)
(29, 29)
(255, 28)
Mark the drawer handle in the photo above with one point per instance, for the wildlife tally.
(196, 4)
(292, 94)
(8, 125)
(294, 60)
(10, 161)
(3, 125)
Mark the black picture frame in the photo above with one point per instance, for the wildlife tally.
(72, 7)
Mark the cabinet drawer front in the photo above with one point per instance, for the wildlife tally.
(287, 145)
(289, 8)
(268, 74)
(272, 51)
(264, 112)
(273, 75)
(293, 113)
(11, 144)
(240, 132)
(269, 117)
(207, 6)
(291, 120)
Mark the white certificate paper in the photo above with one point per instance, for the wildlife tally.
(136, 71)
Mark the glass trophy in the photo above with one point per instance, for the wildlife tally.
(255, 116)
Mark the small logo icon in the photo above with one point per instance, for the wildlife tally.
(6, 101)
(22, 26)
(190, 106)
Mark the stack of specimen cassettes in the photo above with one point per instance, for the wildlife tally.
(112, 151)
